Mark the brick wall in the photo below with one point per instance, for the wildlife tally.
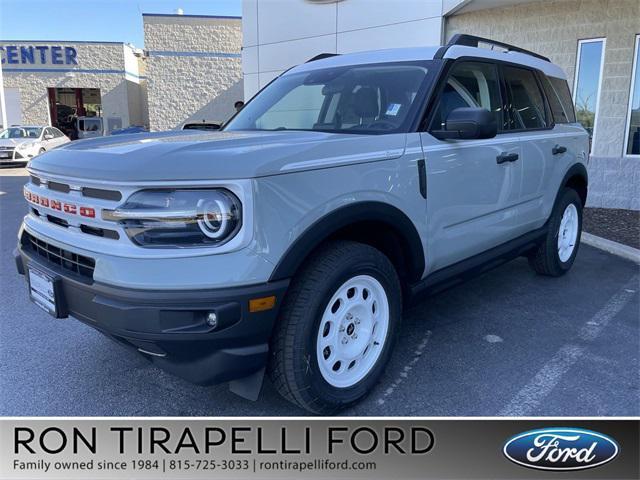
(91, 56)
(193, 69)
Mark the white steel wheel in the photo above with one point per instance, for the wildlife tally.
(352, 331)
(568, 232)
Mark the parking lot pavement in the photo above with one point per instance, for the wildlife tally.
(506, 343)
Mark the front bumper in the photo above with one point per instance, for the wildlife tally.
(10, 156)
(169, 326)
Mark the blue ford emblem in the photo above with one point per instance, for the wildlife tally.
(561, 449)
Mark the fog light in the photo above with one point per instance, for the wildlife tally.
(212, 319)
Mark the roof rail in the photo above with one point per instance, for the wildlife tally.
(473, 41)
(320, 56)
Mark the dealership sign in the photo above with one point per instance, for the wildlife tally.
(38, 55)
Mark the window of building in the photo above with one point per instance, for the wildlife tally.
(470, 84)
(527, 107)
(632, 140)
(586, 90)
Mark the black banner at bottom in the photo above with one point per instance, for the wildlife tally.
(318, 448)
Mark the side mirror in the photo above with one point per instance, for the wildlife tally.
(468, 124)
(48, 136)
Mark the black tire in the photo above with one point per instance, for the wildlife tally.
(41, 151)
(293, 366)
(545, 260)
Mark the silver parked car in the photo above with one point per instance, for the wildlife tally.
(20, 143)
(289, 241)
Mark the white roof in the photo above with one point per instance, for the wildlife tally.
(427, 53)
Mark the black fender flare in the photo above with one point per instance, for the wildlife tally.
(334, 221)
(576, 170)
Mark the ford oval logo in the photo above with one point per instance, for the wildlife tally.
(561, 449)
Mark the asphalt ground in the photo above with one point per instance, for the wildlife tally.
(506, 343)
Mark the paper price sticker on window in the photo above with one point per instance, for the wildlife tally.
(393, 109)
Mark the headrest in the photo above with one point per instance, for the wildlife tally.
(366, 102)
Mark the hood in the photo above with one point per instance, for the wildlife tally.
(12, 142)
(189, 155)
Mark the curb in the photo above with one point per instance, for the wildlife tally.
(612, 247)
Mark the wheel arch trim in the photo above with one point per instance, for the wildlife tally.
(334, 221)
(576, 170)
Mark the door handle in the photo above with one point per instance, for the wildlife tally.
(558, 149)
(507, 157)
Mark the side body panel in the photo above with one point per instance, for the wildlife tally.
(287, 205)
(472, 200)
(543, 171)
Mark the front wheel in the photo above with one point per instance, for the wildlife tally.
(337, 327)
(555, 256)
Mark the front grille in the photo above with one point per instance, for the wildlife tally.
(113, 195)
(59, 187)
(69, 261)
(76, 190)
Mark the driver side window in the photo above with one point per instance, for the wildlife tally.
(470, 84)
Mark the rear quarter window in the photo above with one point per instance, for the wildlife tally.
(561, 90)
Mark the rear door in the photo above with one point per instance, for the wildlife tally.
(59, 137)
(542, 143)
(472, 194)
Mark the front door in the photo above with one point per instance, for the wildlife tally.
(473, 185)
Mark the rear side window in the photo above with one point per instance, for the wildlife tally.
(561, 89)
(526, 106)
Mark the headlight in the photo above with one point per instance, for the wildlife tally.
(25, 145)
(179, 218)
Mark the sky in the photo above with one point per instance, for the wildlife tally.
(98, 20)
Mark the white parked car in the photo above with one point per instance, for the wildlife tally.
(21, 143)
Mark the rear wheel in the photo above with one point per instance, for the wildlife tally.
(337, 327)
(556, 254)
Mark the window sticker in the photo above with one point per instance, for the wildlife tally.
(393, 109)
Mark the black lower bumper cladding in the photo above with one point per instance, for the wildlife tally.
(170, 326)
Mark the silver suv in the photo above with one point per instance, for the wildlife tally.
(289, 241)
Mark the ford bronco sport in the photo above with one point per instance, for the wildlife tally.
(289, 241)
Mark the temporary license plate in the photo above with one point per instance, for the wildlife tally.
(42, 290)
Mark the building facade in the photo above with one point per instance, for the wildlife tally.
(596, 44)
(278, 34)
(193, 68)
(594, 41)
(47, 82)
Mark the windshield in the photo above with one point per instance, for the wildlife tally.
(353, 99)
(21, 132)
